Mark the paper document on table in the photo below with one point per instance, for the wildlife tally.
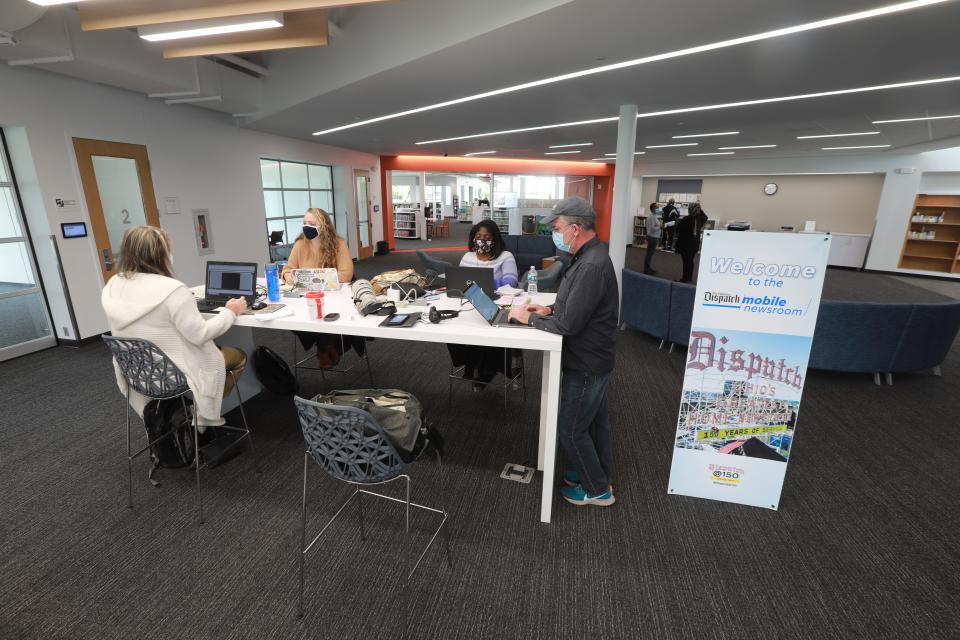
(507, 290)
(282, 312)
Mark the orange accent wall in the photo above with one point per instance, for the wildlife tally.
(601, 171)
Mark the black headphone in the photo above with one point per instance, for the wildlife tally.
(436, 315)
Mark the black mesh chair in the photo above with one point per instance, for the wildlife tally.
(148, 371)
(434, 267)
(352, 447)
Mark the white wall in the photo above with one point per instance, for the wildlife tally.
(903, 175)
(838, 203)
(195, 155)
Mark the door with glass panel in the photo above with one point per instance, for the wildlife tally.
(26, 325)
(118, 191)
(364, 219)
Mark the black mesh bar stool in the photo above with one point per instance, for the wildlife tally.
(148, 371)
(352, 447)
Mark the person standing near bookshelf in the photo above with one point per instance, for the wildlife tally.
(670, 214)
(654, 226)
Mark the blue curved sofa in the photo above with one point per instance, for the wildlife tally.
(855, 337)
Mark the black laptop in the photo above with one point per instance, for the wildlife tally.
(226, 280)
(496, 316)
(458, 278)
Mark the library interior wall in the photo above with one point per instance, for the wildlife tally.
(839, 203)
(196, 155)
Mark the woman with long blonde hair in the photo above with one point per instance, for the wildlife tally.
(319, 247)
(144, 300)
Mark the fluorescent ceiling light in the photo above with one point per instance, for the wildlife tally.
(727, 175)
(679, 144)
(707, 135)
(50, 3)
(579, 144)
(636, 153)
(915, 119)
(712, 107)
(559, 153)
(216, 26)
(766, 35)
(840, 135)
(866, 146)
(605, 159)
(479, 153)
(713, 153)
(750, 146)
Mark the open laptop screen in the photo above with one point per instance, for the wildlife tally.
(231, 279)
(481, 302)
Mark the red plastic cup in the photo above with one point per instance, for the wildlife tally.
(315, 304)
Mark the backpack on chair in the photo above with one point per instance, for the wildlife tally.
(162, 417)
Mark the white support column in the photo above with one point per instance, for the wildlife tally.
(621, 223)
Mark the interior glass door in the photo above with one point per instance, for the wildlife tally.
(26, 325)
(364, 229)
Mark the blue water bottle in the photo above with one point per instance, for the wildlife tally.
(273, 283)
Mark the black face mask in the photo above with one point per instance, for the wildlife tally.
(484, 246)
(310, 232)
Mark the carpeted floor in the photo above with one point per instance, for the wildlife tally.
(864, 545)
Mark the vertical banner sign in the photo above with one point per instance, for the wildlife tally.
(755, 310)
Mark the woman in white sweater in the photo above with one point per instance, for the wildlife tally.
(143, 300)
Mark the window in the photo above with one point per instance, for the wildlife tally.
(289, 189)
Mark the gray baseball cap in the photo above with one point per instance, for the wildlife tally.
(572, 207)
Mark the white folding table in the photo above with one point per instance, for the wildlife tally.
(468, 328)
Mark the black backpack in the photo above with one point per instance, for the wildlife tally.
(273, 372)
(161, 417)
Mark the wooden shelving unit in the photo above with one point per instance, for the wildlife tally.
(938, 254)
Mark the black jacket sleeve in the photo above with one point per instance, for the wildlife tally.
(582, 295)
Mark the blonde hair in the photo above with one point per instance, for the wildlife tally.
(326, 256)
(144, 249)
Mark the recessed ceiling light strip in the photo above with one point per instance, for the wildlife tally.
(636, 153)
(766, 35)
(915, 119)
(750, 146)
(563, 146)
(667, 146)
(559, 153)
(707, 135)
(479, 153)
(200, 28)
(865, 146)
(839, 135)
(713, 107)
(713, 153)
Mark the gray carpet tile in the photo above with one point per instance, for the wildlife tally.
(864, 545)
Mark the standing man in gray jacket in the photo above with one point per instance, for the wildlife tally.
(585, 313)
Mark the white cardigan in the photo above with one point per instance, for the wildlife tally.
(163, 311)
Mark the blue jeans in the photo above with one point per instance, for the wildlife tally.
(583, 428)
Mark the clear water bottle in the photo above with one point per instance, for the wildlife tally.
(273, 283)
(532, 280)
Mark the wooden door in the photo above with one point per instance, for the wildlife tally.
(118, 191)
(361, 180)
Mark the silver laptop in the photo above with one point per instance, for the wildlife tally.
(496, 316)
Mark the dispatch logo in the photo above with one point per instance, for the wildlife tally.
(725, 476)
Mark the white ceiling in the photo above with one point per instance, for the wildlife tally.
(411, 53)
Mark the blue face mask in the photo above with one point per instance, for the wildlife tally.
(558, 241)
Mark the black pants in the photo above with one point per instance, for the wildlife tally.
(687, 254)
(651, 249)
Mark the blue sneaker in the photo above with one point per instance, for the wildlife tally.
(571, 478)
(578, 496)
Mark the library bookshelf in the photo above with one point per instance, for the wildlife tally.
(932, 242)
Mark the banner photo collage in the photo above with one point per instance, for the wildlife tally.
(754, 315)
